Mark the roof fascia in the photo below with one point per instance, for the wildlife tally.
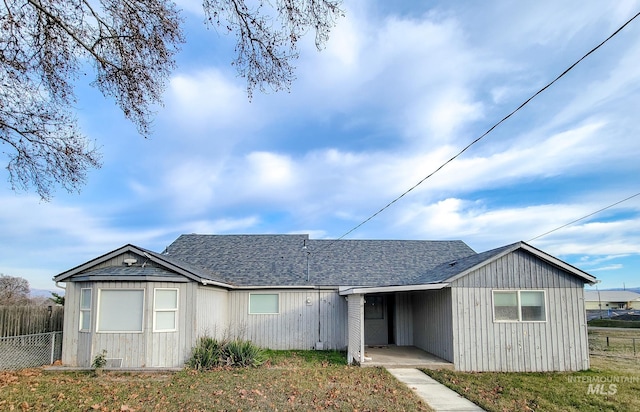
(283, 287)
(559, 263)
(386, 289)
(102, 278)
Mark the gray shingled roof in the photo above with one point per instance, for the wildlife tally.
(129, 271)
(279, 260)
(454, 267)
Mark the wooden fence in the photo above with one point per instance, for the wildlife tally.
(28, 320)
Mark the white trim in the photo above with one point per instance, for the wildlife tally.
(263, 313)
(362, 290)
(120, 331)
(175, 311)
(257, 287)
(519, 305)
(82, 310)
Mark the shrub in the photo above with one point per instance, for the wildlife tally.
(100, 360)
(210, 353)
(244, 353)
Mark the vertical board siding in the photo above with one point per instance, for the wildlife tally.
(404, 319)
(146, 349)
(432, 322)
(127, 348)
(559, 344)
(212, 315)
(299, 325)
(71, 347)
(355, 322)
(172, 348)
(118, 261)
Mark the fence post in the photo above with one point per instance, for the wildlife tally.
(53, 347)
(607, 341)
(634, 346)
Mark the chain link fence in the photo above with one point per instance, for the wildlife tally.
(29, 351)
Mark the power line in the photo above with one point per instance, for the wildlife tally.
(584, 217)
(489, 130)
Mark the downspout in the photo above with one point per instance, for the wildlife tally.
(61, 287)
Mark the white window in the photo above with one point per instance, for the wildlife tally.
(165, 310)
(120, 310)
(85, 310)
(532, 307)
(263, 303)
(519, 306)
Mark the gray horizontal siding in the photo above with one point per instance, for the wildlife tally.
(355, 324)
(480, 344)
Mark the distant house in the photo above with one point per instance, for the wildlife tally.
(514, 308)
(611, 299)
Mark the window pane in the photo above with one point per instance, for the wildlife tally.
(166, 299)
(263, 303)
(85, 298)
(532, 306)
(120, 310)
(165, 321)
(85, 320)
(505, 305)
(374, 307)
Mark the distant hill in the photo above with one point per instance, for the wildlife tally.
(44, 293)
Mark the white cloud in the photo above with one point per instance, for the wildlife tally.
(208, 101)
(616, 266)
(269, 171)
(226, 225)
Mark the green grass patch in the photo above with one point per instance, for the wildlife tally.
(306, 357)
(287, 381)
(612, 323)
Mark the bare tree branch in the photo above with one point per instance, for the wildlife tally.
(131, 45)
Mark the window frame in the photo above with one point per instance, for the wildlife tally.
(98, 314)
(85, 312)
(277, 295)
(173, 310)
(519, 305)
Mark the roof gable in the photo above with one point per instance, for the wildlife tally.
(142, 264)
(465, 266)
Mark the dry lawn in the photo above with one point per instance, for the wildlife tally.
(291, 381)
(560, 391)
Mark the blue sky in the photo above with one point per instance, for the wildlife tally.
(399, 89)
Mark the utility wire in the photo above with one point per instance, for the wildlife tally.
(584, 217)
(388, 205)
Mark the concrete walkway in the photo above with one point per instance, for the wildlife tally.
(437, 396)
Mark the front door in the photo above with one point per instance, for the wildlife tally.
(376, 322)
